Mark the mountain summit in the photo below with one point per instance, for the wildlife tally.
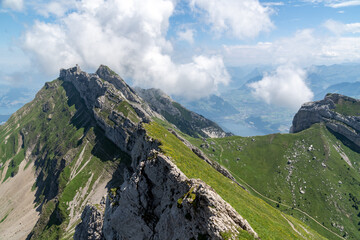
(340, 114)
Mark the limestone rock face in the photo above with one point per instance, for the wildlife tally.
(325, 111)
(160, 202)
(156, 200)
(160, 101)
(108, 75)
(187, 121)
(117, 109)
(91, 226)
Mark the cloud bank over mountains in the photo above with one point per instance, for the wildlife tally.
(130, 36)
(284, 87)
(304, 48)
(140, 40)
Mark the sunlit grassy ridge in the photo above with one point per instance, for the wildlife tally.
(307, 170)
(128, 111)
(186, 121)
(266, 221)
(348, 108)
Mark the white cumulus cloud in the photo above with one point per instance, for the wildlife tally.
(340, 4)
(285, 87)
(340, 28)
(186, 35)
(17, 5)
(57, 8)
(128, 36)
(304, 48)
(240, 18)
(336, 3)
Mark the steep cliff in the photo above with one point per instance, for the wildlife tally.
(82, 137)
(341, 114)
(145, 206)
(160, 202)
(116, 108)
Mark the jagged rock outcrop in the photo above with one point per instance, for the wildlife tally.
(92, 86)
(187, 121)
(91, 225)
(116, 107)
(327, 111)
(107, 74)
(157, 201)
(160, 202)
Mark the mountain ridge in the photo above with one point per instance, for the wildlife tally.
(338, 112)
(312, 174)
(187, 121)
(98, 154)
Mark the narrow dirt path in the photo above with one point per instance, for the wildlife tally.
(222, 150)
(282, 204)
(292, 226)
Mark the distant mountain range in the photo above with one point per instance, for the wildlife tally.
(245, 115)
(346, 88)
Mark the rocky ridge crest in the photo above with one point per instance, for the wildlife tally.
(160, 202)
(103, 93)
(156, 201)
(187, 121)
(325, 111)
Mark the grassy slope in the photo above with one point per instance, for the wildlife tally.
(57, 132)
(65, 132)
(266, 220)
(187, 121)
(348, 108)
(279, 166)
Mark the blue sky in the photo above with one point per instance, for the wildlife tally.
(172, 44)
